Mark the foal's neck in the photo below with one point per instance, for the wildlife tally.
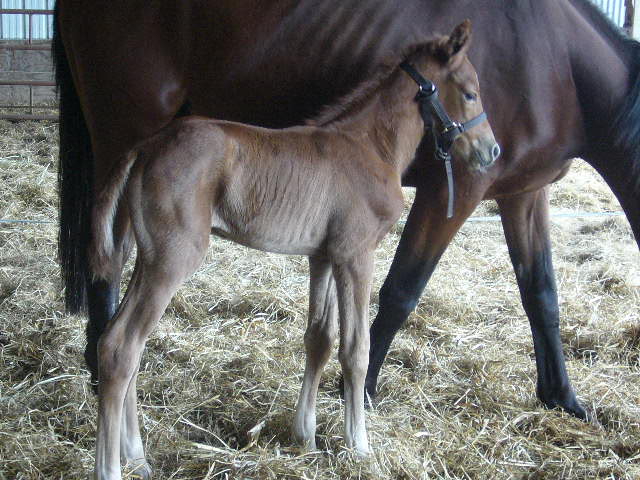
(391, 121)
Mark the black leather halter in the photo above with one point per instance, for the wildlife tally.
(429, 103)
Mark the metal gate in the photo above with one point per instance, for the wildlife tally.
(26, 28)
(615, 9)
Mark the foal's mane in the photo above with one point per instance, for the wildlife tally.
(358, 97)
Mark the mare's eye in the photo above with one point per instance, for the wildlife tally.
(470, 97)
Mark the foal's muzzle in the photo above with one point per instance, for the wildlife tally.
(485, 154)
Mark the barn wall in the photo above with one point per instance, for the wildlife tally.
(25, 65)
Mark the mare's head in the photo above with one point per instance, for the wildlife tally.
(462, 127)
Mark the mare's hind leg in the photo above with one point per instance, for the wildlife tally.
(525, 219)
(318, 340)
(353, 285)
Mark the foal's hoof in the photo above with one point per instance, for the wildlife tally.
(306, 442)
(140, 470)
(362, 452)
(359, 452)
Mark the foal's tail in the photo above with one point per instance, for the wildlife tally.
(104, 212)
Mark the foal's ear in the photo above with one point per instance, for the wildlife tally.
(458, 43)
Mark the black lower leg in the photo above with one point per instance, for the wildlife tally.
(103, 301)
(525, 219)
(540, 300)
(398, 298)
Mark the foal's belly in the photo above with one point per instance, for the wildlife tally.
(292, 237)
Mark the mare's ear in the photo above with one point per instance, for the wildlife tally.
(458, 44)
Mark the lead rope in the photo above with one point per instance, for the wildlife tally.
(452, 193)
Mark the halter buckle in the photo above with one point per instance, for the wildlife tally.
(453, 126)
(423, 93)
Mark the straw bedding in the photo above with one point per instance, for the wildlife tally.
(221, 374)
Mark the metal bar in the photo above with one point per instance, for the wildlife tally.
(11, 220)
(495, 218)
(32, 83)
(553, 216)
(40, 107)
(35, 116)
(25, 11)
(32, 46)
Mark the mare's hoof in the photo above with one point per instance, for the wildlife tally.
(578, 411)
(569, 403)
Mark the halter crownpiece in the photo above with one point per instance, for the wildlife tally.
(430, 104)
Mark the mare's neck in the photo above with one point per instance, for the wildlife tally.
(391, 121)
(602, 67)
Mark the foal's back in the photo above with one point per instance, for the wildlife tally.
(300, 190)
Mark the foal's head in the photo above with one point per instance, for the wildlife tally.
(445, 63)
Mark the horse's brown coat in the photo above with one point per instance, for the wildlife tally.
(330, 191)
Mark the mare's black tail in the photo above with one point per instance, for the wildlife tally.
(75, 182)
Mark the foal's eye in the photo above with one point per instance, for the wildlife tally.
(470, 97)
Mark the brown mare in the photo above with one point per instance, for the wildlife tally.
(559, 81)
(330, 191)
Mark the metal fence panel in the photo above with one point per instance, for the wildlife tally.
(615, 10)
(16, 26)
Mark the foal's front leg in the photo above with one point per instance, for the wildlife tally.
(353, 282)
(318, 340)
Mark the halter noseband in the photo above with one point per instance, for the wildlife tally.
(429, 103)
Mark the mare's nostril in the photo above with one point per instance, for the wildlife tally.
(495, 152)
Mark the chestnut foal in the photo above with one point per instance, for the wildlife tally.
(330, 191)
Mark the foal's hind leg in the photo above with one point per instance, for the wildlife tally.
(353, 285)
(103, 295)
(318, 340)
(131, 447)
(120, 349)
(525, 219)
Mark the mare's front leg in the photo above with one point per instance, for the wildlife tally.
(426, 235)
(318, 340)
(525, 219)
(353, 284)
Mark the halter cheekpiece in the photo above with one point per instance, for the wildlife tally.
(429, 104)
